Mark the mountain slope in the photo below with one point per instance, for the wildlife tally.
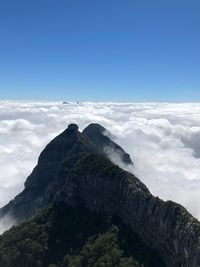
(96, 134)
(82, 192)
(60, 230)
(38, 186)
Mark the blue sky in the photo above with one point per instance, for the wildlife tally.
(100, 50)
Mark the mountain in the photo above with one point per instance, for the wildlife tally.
(77, 201)
(40, 185)
(105, 145)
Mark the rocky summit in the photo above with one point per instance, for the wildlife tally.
(80, 209)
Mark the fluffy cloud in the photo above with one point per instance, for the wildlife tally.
(163, 140)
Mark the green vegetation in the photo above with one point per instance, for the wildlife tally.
(23, 246)
(103, 251)
(64, 236)
(71, 235)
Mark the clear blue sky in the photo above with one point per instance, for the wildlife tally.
(127, 50)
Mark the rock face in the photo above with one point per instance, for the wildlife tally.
(97, 134)
(74, 168)
(34, 196)
(38, 186)
(164, 226)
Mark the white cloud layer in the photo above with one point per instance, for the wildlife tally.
(163, 140)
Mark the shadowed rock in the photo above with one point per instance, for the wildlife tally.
(74, 169)
(41, 183)
(102, 139)
(36, 193)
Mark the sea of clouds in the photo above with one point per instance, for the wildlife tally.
(163, 140)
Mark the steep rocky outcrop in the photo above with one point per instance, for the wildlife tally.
(40, 186)
(35, 196)
(102, 139)
(74, 169)
(164, 226)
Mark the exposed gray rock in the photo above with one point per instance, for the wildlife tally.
(42, 183)
(164, 226)
(74, 168)
(103, 141)
(36, 194)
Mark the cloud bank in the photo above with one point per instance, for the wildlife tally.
(163, 140)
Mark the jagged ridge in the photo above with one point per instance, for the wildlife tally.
(79, 173)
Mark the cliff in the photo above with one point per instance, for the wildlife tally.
(74, 169)
(164, 226)
(40, 185)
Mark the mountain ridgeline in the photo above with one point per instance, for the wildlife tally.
(79, 209)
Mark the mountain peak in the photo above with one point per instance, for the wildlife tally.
(94, 127)
(102, 138)
(67, 144)
(73, 127)
(75, 170)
